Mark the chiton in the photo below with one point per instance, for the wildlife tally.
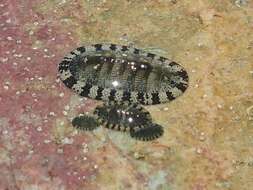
(123, 75)
(121, 117)
(111, 72)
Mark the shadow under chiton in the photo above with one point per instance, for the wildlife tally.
(123, 78)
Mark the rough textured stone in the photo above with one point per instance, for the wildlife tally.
(207, 143)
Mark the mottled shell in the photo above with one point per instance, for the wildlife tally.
(117, 73)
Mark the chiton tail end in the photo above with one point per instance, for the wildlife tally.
(86, 123)
(149, 133)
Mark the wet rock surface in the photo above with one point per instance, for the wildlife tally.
(207, 142)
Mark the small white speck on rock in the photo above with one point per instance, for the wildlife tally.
(240, 3)
(31, 32)
(18, 55)
(199, 150)
(47, 141)
(85, 145)
(166, 109)
(26, 69)
(85, 150)
(51, 113)
(33, 115)
(4, 59)
(138, 155)
(8, 21)
(75, 173)
(250, 112)
(59, 150)
(66, 107)
(202, 136)
(9, 38)
(67, 140)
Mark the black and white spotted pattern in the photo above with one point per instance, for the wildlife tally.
(118, 73)
(122, 77)
(121, 117)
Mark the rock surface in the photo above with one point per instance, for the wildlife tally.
(208, 137)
